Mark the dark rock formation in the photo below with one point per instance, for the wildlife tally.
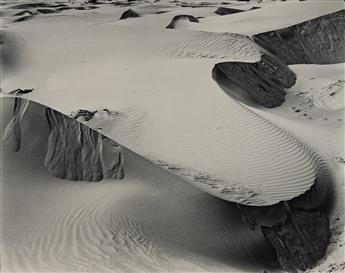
(301, 241)
(12, 132)
(47, 11)
(264, 81)
(19, 91)
(225, 11)
(22, 19)
(177, 18)
(75, 152)
(129, 14)
(319, 41)
(86, 114)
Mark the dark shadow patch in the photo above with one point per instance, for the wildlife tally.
(19, 91)
(47, 11)
(226, 11)
(12, 47)
(129, 14)
(178, 18)
(264, 81)
(23, 19)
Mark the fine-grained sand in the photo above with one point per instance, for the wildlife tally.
(148, 222)
(153, 91)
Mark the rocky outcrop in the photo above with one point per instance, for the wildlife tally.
(86, 114)
(226, 11)
(178, 18)
(129, 14)
(22, 19)
(47, 11)
(319, 41)
(12, 132)
(301, 241)
(263, 81)
(75, 152)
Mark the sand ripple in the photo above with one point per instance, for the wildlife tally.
(93, 239)
(219, 45)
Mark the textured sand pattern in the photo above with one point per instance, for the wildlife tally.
(219, 45)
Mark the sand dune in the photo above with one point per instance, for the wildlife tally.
(191, 124)
(151, 90)
(150, 221)
(270, 17)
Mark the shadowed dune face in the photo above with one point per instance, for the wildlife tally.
(227, 11)
(74, 151)
(129, 14)
(12, 51)
(301, 241)
(264, 81)
(181, 18)
(318, 41)
(12, 132)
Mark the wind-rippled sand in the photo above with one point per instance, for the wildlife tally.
(156, 96)
(148, 222)
(169, 108)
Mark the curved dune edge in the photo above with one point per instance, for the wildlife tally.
(181, 18)
(304, 173)
(235, 154)
(89, 219)
(232, 162)
(264, 81)
(151, 220)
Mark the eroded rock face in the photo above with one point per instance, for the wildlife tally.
(301, 241)
(264, 81)
(12, 132)
(75, 152)
(178, 18)
(319, 41)
(226, 11)
(129, 14)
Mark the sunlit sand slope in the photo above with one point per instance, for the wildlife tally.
(169, 108)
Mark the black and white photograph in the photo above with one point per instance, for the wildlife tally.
(172, 136)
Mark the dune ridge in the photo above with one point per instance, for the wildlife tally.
(158, 99)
